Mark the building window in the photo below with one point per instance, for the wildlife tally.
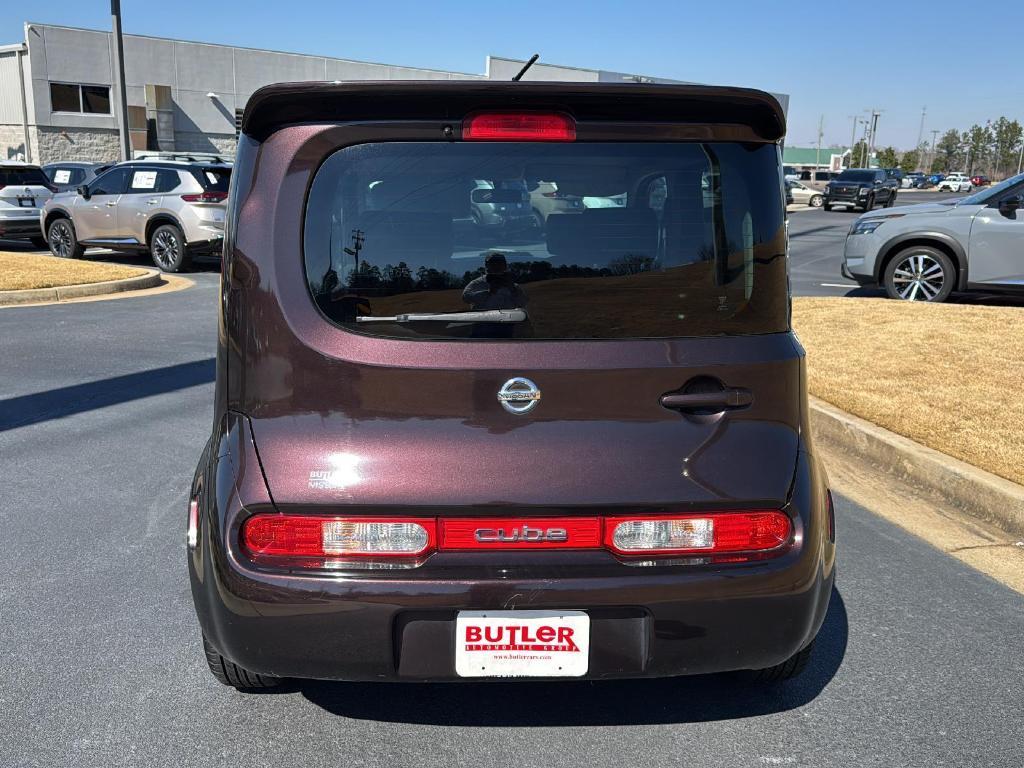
(89, 99)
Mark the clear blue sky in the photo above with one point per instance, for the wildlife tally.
(952, 57)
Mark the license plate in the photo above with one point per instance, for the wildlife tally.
(522, 643)
(27, 202)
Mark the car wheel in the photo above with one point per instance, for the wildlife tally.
(869, 203)
(826, 206)
(39, 242)
(168, 249)
(919, 273)
(891, 201)
(788, 669)
(62, 240)
(815, 201)
(231, 674)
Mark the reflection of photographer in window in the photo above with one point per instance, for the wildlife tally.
(497, 289)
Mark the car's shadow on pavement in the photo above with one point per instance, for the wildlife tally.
(976, 299)
(625, 702)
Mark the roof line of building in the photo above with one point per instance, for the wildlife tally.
(29, 24)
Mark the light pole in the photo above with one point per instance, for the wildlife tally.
(126, 144)
(920, 135)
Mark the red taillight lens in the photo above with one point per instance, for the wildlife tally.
(519, 126)
(709, 533)
(205, 197)
(307, 536)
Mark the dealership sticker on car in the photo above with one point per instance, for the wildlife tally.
(522, 643)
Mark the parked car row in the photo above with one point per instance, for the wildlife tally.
(171, 209)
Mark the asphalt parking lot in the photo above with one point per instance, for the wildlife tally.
(104, 409)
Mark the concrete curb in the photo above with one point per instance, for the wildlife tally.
(946, 480)
(151, 279)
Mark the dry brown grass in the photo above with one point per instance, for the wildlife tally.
(19, 271)
(948, 376)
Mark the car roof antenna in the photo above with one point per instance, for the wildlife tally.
(526, 66)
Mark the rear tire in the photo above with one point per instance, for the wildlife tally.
(788, 669)
(891, 201)
(826, 206)
(869, 203)
(62, 240)
(168, 249)
(229, 673)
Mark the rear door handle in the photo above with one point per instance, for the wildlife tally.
(110, 204)
(152, 202)
(725, 399)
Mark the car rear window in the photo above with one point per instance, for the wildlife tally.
(214, 179)
(33, 176)
(549, 241)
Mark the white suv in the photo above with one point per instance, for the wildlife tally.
(956, 182)
(174, 210)
(925, 252)
(24, 189)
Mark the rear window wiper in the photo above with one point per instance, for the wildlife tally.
(482, 316)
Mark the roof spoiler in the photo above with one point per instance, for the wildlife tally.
(276, 106)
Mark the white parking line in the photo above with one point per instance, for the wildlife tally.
(839, 285)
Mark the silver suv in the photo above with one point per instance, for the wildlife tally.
(24, 188)
(173, 210)
(925, 252)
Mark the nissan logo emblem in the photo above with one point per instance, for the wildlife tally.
(519, 395)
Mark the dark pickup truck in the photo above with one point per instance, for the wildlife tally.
(861, 188)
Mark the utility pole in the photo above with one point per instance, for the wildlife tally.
(817, 154)
(920, 134)
(126, 144)
(853, 136)
(931, 156)
(875, 114)
(864, 141)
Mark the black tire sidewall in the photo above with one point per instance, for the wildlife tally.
(948, 271)
(76, 250)
(183, 257)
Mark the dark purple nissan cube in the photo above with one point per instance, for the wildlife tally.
(506, 387)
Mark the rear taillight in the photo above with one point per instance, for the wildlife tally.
(328, 538)
(315, 541)
(192, 531)
(711, 533)
(205, 197)
(831, 516)
(519, 126)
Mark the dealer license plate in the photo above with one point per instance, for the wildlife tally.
(522, 643)
(27, 202)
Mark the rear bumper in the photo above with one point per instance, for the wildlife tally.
(28, 227)
(646, 621)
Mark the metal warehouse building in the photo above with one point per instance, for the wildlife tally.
(57, 100)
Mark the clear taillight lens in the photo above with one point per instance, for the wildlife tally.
(307, 536)
(712, 533)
